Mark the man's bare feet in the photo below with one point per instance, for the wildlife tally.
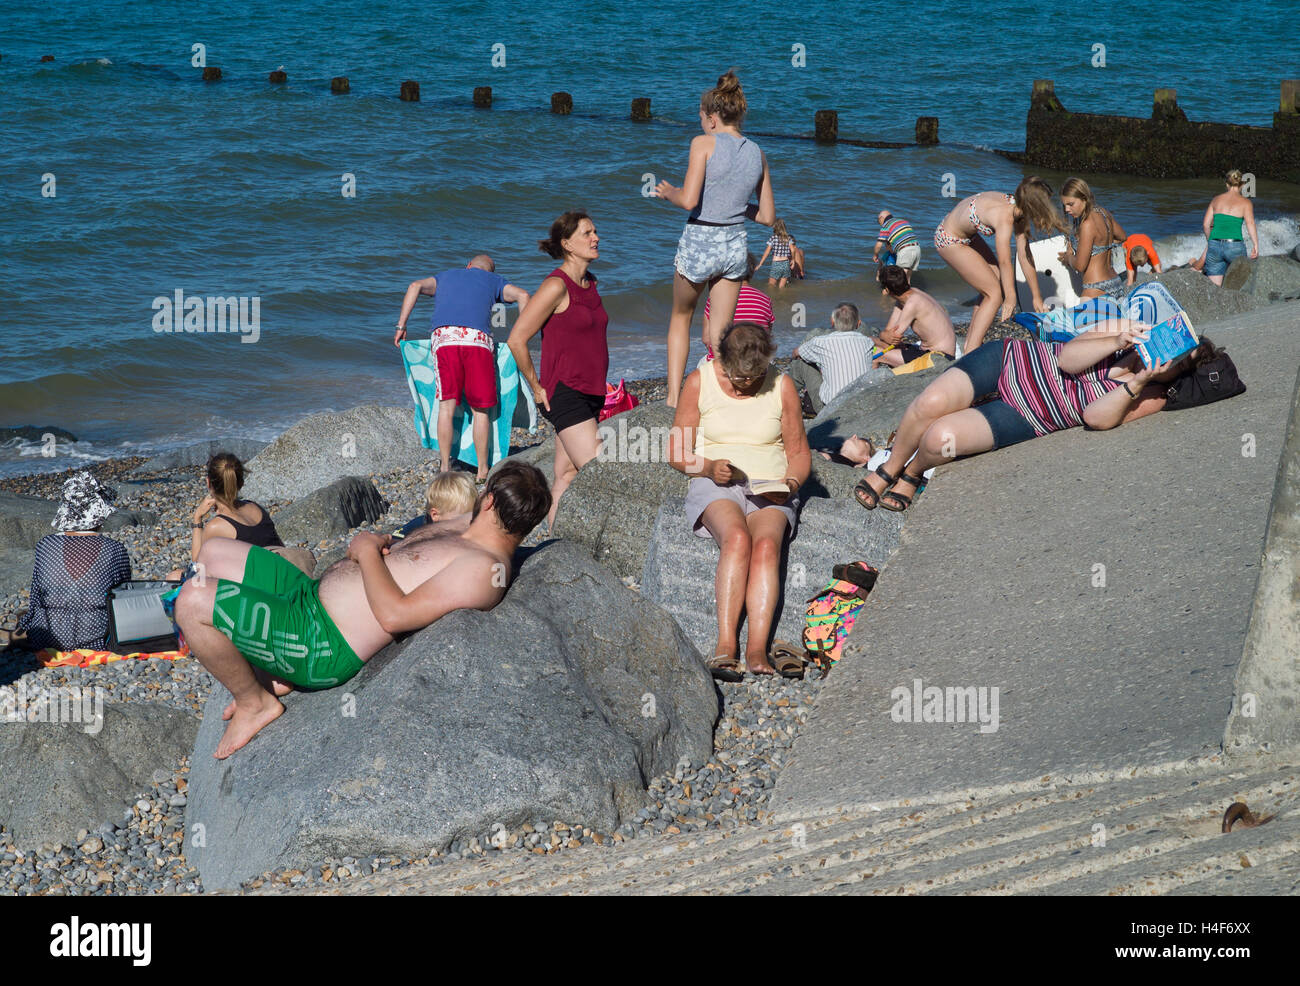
(757, 664)
(247, 723)
(276, 686)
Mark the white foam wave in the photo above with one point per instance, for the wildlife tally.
(1275, 236)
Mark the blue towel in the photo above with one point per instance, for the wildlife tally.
(1151, 303)
(1063, 324)
(422, 378)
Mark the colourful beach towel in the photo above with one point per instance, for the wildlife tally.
(422, 379)
(85, 658)
(1063, 324)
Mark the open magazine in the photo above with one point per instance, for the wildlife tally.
(1167, 341)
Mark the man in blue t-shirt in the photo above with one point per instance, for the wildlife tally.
(462, 345)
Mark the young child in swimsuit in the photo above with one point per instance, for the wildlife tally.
(958, 240)
(449, 495)
(726, 169)
(781, 248)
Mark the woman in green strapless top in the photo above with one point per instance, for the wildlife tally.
(1227, 214)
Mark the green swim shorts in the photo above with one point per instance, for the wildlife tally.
(275, 617)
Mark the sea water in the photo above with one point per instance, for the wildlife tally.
(126, 182)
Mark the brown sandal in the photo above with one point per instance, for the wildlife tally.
(725, 667)
(787, 659)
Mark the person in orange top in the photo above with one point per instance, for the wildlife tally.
(1139, 251)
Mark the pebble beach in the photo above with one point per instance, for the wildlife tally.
(142, 850)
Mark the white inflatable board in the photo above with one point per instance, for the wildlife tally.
(1059, 284)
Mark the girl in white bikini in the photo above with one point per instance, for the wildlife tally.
(958, 240)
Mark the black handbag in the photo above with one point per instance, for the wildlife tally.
(1214, 380)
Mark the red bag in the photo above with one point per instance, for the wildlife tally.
(617, 400)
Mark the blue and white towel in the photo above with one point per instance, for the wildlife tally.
(1150, 303)
(1063, 324)
(422, 379)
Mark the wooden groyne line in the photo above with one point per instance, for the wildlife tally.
(1165, 145)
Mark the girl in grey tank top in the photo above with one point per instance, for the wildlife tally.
(730, 178)
(726, 169)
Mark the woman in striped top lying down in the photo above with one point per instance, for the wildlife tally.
(1096, 379)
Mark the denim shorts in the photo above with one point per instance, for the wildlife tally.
(1220, 254)
(705, 253)
(984, 366)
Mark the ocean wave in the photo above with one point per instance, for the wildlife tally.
(1276, 236)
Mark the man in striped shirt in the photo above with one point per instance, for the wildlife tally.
(825, 365)
(898, 240)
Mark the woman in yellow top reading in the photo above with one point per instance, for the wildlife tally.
(739, 434)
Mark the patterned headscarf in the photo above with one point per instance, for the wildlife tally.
(85, 503)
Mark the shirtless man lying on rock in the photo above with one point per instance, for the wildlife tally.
(259, 625)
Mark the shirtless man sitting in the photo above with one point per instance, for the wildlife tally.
(259, 625)
(914, 309)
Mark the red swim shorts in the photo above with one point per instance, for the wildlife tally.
(470, 369)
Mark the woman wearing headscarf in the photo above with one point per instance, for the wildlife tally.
(74, 570)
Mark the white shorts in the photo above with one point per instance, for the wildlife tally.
(909, 257)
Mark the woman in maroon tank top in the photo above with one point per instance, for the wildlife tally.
(567, 310)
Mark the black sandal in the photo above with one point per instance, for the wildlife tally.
(864, 489)
(917, 481)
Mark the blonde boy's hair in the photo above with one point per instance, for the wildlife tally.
(451, 493)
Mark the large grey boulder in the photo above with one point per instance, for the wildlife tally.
(610, 506)
(1266, 279)
(868, 407)
(324, 447)
(336, 509)
(61, 776)
(122, 518)
(1202, 299)
(24, 520)
(35, 433)
(680, 566)
(199, 453)
(15, 570)
(561, 703)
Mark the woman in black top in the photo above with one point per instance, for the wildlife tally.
(240, 520)
(73, 572)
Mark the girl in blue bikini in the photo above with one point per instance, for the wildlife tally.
(958, 241)
(1096, 231)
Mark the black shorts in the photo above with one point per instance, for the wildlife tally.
(571, 407)
(910, 351)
